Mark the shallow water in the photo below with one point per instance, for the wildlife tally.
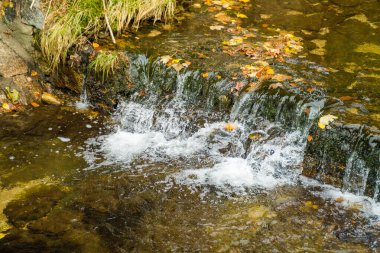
(167, 174)
(158, 181)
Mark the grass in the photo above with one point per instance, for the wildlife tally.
(70, 23)
(105, 63)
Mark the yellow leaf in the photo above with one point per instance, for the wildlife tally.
(309, 138)
(205, 75)
(2, 235)
(326, 120)
(95, 45)
(34, 104)
(269, 71)
(34, 73)
(176, 60)
(244, 1)
(230, 127)
(219, 77)
(6, 106)
(353, 110)
(216, 27)
(240, 15)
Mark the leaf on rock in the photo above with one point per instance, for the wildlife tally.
(229, 127)
(326, 120)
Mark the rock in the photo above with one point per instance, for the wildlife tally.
(10, 63)
(32, 16)
(50, 99)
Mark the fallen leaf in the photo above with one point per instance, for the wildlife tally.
(34, 104)
(6, 106)
(353, 110)
(165, 59)
(177, 66)
(339, 200)
(281, 77)
(204, 75)
(34, 73)
(239, 85)
(309, 138)
(229, 127)
(223, 17)
(154, 33)
(274, 86)
(186, 64)
(216, 27)
(326, 120)
(197, 6)
(240, 15)
(95, 45)
(346, 98)
(255, 136)
(264, 25)
(310, 90)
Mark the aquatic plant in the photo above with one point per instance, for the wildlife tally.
(69, 23)
(105, 63)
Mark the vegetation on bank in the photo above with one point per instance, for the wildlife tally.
(70, 23)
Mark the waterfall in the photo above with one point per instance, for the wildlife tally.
(256, 145)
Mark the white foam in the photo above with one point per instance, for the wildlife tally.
(366, 205)
(230, 175)
(124, 146)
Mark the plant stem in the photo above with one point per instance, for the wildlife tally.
(108, 23)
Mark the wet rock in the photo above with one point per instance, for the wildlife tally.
(50, 99)
(347, 3)
(34, 205)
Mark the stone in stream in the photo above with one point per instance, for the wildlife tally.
(50, 99)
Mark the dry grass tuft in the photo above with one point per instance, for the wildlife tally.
(69, 23)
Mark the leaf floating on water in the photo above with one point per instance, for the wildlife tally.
(229, 127)
(216, 27)
(223, 17)
(346, 98)
(281, 77)
(353, 110)
(240, 15)
(154, 33)
(326, 120)
(274, 86)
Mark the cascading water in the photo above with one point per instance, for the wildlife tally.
(263, 150)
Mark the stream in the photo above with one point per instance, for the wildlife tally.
(183, 167)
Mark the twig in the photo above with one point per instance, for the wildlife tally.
(31, 6)
(108, 23)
